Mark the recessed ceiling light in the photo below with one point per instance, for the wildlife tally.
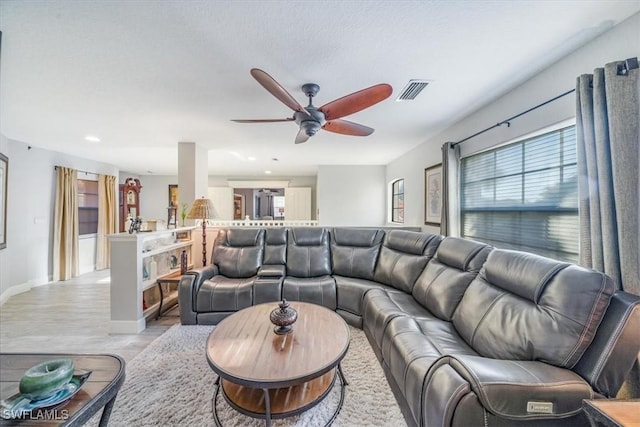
(267, 172)
(92, 138)
(251, 158)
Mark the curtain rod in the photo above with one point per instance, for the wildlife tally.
(84, 172)
(507, 121)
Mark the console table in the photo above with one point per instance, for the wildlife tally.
(612, 412)
(100, 390)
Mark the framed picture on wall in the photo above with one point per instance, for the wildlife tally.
(4, 169)
(433, 194)
(173, 196)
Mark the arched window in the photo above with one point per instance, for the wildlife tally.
(397, 201)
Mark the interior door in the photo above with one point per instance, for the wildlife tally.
(297, 202)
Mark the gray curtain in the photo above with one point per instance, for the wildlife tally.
(607, 122)
(450, 217)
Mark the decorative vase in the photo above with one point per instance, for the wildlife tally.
(153, 270)
(183, 262)
(283, 317)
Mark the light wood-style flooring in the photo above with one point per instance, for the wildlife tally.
(72, 317)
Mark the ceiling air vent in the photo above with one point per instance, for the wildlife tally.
(412, 89)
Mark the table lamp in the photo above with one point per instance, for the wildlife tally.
(202, 209)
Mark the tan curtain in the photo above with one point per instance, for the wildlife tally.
(65, 231)
(107, 218)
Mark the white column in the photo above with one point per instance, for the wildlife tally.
(193, 174)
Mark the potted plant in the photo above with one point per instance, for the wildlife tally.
(183, 212)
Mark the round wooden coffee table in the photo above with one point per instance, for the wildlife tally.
(265, 375)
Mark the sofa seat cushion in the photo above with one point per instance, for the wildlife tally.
(382, 305)
(411, 345)
(351, 293)
(317, 290)
(222, 293)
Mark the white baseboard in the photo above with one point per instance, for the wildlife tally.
(15, 290)
(41, 281)
(127, 326)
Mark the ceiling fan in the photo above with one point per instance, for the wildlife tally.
(328, 117)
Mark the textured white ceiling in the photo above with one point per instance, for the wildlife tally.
(144, 75)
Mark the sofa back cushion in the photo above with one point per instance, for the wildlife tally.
(238, 252)
(275, 246)
(354, 251)
(446, 277)
(308, 252)
(403, 256)
(526, 307)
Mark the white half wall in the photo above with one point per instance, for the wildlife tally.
(619, 43)
(351, 195)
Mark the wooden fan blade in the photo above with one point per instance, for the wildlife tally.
(276, 90)
(347, 128)
(301, 136)
(261, 120)
(356, 101)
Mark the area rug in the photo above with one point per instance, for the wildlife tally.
(170, 384)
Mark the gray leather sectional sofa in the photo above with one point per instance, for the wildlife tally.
(467, 335)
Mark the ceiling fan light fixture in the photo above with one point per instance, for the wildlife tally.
(412, 90)
(310, 127)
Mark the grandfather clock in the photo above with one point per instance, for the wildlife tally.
(129, 200)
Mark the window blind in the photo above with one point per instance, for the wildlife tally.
(524, 196)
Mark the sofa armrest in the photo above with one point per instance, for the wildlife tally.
(271, 270)
(614, 349)
(520, 390)
(188, 289)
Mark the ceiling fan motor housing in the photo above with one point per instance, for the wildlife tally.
(310, 126)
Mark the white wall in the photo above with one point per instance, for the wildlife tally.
(27, 259)
(351, 195)
(154, 196)
(621, 42)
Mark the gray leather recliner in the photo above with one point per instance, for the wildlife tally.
(210, 294)
(308, 276)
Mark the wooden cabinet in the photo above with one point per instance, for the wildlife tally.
(139, 264)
